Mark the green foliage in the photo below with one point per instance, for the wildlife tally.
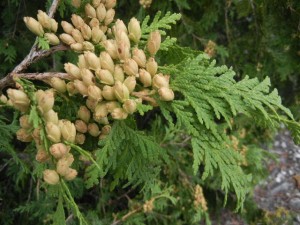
(144, 158)
(159, 23)
(129, 155)
(43, 43)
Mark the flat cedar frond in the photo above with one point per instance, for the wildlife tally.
(217, 155)
(133, 156)
(211, 93)
(159, 23)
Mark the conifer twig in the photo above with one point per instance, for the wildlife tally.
(34, 55)
(41, 76)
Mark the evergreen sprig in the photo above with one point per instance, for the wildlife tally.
(209, 96)
(159, 23)
(130, 154)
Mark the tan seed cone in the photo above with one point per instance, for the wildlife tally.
(81, 126)
(70, 174)
(134, 29)
(53, 132)
(51, 177)
(59, 150)
(93, 129)
(51, 116)
(34, 26)
(119, 114)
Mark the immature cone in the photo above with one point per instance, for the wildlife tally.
(41, 156)
(97, 35)
(52, 38)
(107, 62)
(51, 116)
(129, 106)
(103, 120)
(123, 50)
(106, 129)
(51, 177)
(86, 32)
(154, 41)
(67, 27)
(44, 19)
(68, 130)
(24, 122)
(91, 104)
(45, 100)
(108, 93)
(81, 87)
(80, 139)
(77, 21)
(67, 39)
(81, 126)
(130, 83)
(151, 66)
(34, 26)
(109, 17)
(77, 47)
(59, 150)
(94, 23)
(139, 56)
(88, 77)
(96, 3)
(134, 29)
(53, 132)
(93, 129)
(84, 114)
(145, 78)
(119, 73)
(58, 84)
(63, 164)
(88, 46)
(82, 63)
(90, 11)
(105, 77)
(166, 94)
(121, 91)
(54, 25)
(101, 12)
(119, 114)
(110, 4)
(18, 99)
(111, 48)
(71, 88)
(76, 34)
(70, 174)
(159, 81)
(72, 70)
(131, 67)
(92, 60)
(94, 93)
(119, 26)
(100, 111)
(23, 135)
(111, 105)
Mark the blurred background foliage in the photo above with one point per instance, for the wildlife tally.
(258, 38)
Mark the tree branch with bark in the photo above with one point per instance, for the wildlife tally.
(33, 56)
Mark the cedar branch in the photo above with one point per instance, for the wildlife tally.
(41, 76)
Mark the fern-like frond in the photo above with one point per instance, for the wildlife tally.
(131, 154)
(212, 93)
(209, 94)
(159, 23)
(216, 155)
